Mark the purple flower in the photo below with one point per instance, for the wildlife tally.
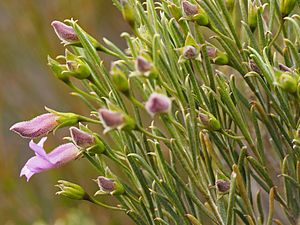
(189, 8)
(110, 118)
(143, 65)
(64, 32)
(43, 161)
(190, 52)
(81, 138)
(37, 127)
(158, 103)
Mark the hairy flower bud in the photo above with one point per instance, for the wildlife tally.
(158, 103)
(76, 67)
(195, 13)
(288, 83)
(58, 69)
(218, 57)
(119, 79)
(81, 139)
(189, 9)
(71, 190)
(143, 65)
(222, 185)
(110, 118)
(252, 16)
(114, 119)
(209, 121)
(190, 52)
(287, 6)
(37, 127)
(65, 33)
(109, 186)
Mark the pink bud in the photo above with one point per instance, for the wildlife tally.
(111, 119)
(81, 138)
(143, 65)
(37, 127)
(189, 8)
(190, 52)
(212, 52)
(106, 184)
(64, 32)
(158, 103)
(222, 185)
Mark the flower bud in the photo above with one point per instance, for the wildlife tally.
(113, 119)
(76, 67)
(109, 186)
(80, 138)
(218, 57)
(175, 10)
(288, 83)
(209, 121)
(222, 185)
(37, 127)
(119, 79)
(287, 6)
(158, 103)
(190, 52)
(254, 67)
(86, 141)
(71, 190)
(284, 68)
(143, 65)
(252, 16)
(65, 33)
(128, 13)
(189, 9)
(195, 13)
(58, 69)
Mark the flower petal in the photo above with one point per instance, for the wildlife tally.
(63, 154)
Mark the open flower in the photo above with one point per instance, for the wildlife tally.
(37, 127)
(158, 103)
(42, 161)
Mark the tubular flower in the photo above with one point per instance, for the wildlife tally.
(158, 103)
(42, 161)
(110, 118)
(37, 127)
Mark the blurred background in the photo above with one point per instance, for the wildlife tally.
(27, 85)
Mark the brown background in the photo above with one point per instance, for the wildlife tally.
(27, 85)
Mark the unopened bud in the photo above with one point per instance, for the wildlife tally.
(113, 119)
(158, 103)
(222, 185)
(288, 83)
(189, 9)
(75, 66)
(195, 13)
(253, 66)
(119, 79)
(65, 33)
(209, 121)
(218, 57)
(252, 16)
(109, 186)
(287, 6)
(284, 68)
(71, 190)
(128, 13)
(36, 127)
(190, 52)
(58, 69)
(142, 65)
(80, 138)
